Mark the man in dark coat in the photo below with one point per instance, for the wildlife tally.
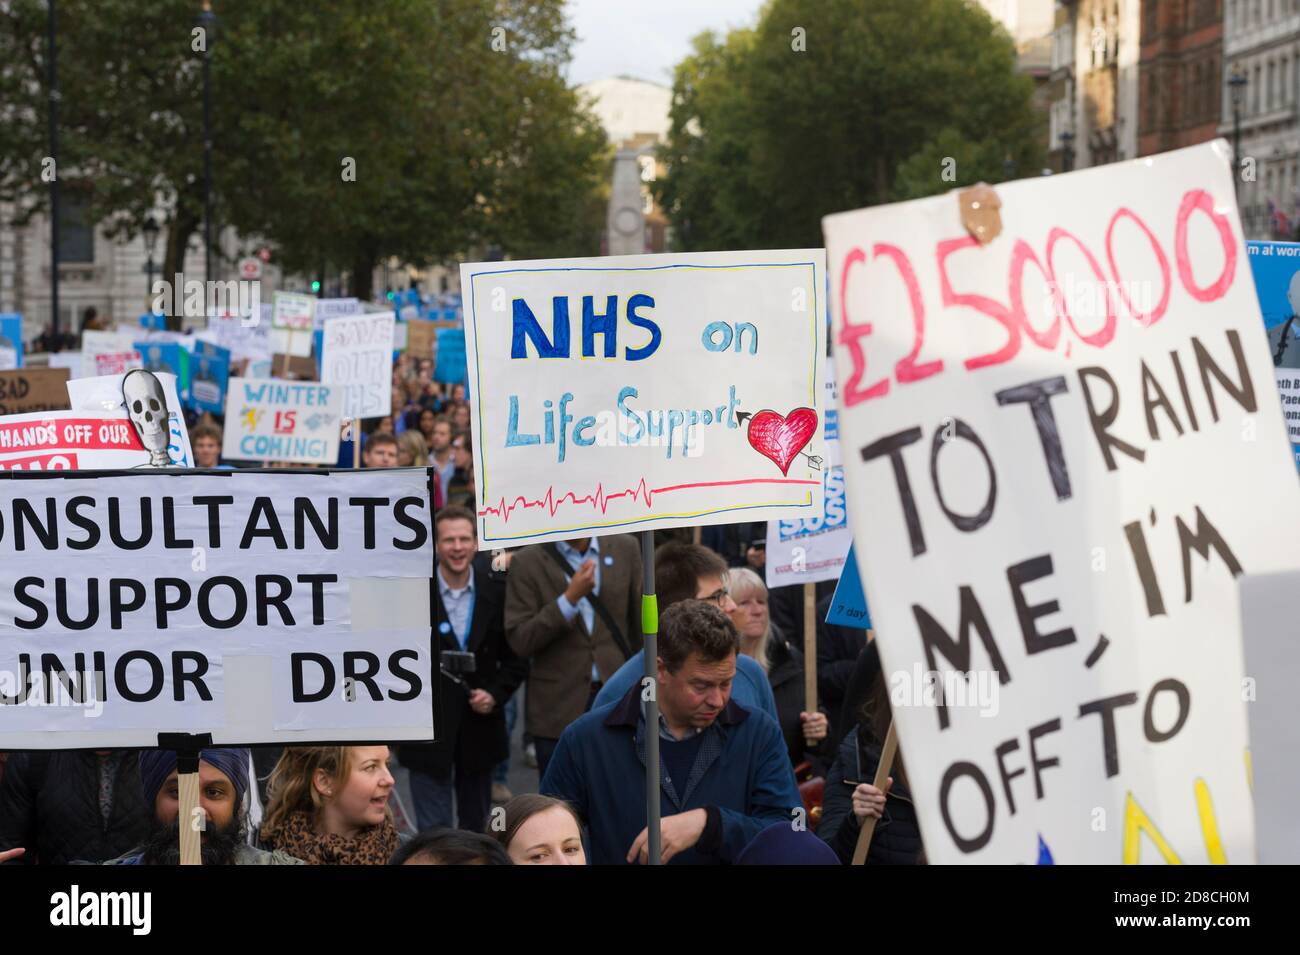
(469, 616)
(63, 805)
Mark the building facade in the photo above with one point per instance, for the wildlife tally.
(1261, 45)
(1094, 78)
(1181, 74)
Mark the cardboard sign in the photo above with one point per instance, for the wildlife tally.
(33, 389)
(636, 392)
(420, 337)
(1276, 268)
(106, 395)
(357, 357)
(1062, 448)
(11, 341)
(308, 618)
(288, 421)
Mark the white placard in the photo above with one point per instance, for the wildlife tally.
(357, 358)
(255, 643)
(636, 392)
(1052, 489)
(327, 308)
(287, 421)
(293, 311)
(103, 395)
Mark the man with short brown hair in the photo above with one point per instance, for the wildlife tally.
(724, 771)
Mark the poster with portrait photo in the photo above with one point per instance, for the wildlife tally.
(1276, 268)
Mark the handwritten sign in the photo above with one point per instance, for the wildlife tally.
(293, 311)
(289, 421)
(357, 357)
(33, 389)
(636, 392)
(1046, 442)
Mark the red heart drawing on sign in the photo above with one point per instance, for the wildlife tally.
(780, 437)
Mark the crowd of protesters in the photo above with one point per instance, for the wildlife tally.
(748, 774)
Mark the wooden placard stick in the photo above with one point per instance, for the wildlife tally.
(882, 777)
(810, 647)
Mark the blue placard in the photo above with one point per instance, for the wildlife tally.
(450, 366)
(209, 374)
(1276, 269)
(849, 603)
(169, 357)
(11, 341)
(154, 321)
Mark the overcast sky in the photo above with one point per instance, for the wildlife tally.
(645, 38)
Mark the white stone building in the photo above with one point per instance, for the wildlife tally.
(1261, 42)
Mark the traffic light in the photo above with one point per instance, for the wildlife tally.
(315, 286)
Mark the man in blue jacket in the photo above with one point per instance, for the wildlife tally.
(725, 773)
(683, 571)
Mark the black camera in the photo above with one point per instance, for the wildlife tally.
(458, 662)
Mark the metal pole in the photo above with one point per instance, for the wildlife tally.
(207, 143)
(650, 631)
(53, 83)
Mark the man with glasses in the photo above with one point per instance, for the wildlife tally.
(685, 572)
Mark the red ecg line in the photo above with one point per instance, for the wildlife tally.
(600, 500)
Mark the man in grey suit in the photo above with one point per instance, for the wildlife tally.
(574, 609)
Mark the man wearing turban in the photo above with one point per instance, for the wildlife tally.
(223, 786)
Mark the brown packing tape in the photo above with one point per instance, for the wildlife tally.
(981, 214)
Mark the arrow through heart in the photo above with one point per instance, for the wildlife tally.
(779, 438)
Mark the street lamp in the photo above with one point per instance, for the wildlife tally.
(1067, 151)
(150, 232)
(1237, 88)
(207, 21)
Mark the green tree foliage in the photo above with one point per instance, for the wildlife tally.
(343, 133)
(766, 139)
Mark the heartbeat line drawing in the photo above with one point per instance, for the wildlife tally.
(599, 499)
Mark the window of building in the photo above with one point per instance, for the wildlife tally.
(76, 232)
(1254, 95)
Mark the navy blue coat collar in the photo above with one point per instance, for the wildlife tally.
(627, 711)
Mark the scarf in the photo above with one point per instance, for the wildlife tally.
(297, 836)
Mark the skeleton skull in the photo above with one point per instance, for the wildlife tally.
(146, 404)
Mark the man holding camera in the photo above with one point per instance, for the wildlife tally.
(479, 673)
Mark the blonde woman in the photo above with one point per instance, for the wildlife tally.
(412, 452)
(330, 803)
(805, 733)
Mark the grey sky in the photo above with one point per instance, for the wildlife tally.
(645, 38)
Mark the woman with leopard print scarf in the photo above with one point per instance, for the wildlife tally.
(328, 805)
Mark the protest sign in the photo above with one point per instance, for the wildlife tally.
(71, 360)
(117, 363)
(1273, 671)
(1276, 268)
(449, 356)
(210, 366)
(33, 389)
(259, 607)
(848, 603)
(11, 341)
(293, 311)
(357, 359)
(251, 340)
(420, 335)
(95, 342)
(637, 392)
(274, 420)
(805, 550)
(150, 403)
(171, 357)
(1055, 473)
(69, 441)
